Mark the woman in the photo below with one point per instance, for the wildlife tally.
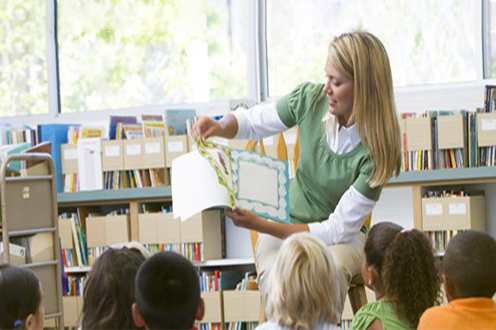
(350, 147)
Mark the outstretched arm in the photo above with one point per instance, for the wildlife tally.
(249, 220)
(347, 219)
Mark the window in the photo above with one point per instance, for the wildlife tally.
(428, 42)
(23, 58)
(491, 39)
(130, 53)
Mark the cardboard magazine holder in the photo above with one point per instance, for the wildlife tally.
(486, 129)
(453, 213)
(419, 135)
(204, 227)
(450, 132)
(112, 155)
(69, 158)
(159, 228)
(175, 146)
(153, 153)
(133, 154)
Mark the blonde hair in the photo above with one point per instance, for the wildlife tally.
(360, 56)
(303, 287)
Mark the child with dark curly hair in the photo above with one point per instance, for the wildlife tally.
(469, 268)
(399, 266)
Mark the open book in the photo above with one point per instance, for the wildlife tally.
(216, 176)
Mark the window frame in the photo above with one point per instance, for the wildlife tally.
(466, 95)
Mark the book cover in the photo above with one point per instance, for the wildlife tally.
(175, 120)
(216, 176)
(57, 135)
(114, 120)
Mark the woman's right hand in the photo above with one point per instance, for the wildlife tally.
(206, 127)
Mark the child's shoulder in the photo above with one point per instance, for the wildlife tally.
(381, 310)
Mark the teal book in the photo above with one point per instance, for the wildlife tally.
(175, 120)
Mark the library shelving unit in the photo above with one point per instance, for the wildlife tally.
(29, 209)
(420, 180)
(131, 199)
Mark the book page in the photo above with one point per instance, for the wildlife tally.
(195, 186)
(261, 184)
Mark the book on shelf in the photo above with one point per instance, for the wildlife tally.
(114, 133)
(73, 240)
(175, 120)
(57, 135)
(217, 176)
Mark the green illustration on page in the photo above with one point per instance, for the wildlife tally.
(220, 158)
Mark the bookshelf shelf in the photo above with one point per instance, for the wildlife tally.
(235, 262)
(124, 195)
(432, 177)
(77, 270)
(226, 263)
(445, 176)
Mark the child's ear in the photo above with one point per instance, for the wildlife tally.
(200, 312)
(449, 288)
(30, 322)
(137, 318)
(372, 277)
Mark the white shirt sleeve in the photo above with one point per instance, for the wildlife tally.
(346, 220)
(258, 122)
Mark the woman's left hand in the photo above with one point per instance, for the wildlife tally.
(244, 218)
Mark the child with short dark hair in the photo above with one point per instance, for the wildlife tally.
(469, 268)
(109, 291)
(21, 299)
(167, 293)
(399, 266)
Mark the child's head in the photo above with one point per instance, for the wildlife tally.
(109, 291)
(469, 266)
(303, 289)
(376, 245)
(167, 293)
(400, 266)
(21, 303)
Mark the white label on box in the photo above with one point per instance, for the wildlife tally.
(457, 208)
(112, 151)
(489, 124)
(290, 138)
(133, 149)
(16, 250)
(70, 154)
(152, 148)
(434, 209)
(175, 146)
(269, 141)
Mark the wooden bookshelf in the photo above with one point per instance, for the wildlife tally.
(418, 180)
(414, 179)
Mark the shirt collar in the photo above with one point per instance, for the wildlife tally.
(332, 127)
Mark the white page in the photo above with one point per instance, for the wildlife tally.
(90, 164)
(195, 186)
(257, 183)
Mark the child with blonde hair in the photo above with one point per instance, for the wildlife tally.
(399, 266)
(303, 290)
